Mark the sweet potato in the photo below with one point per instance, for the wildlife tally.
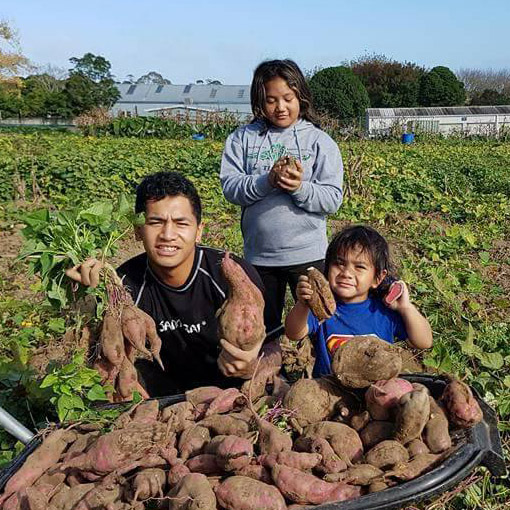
(133, 328)
(204, 463)
(127, 381)
(358, 474)
(241, 318)
(359, 421)
(415, 467)
(193, 492)
(363, 360)
(112, 340)
(233, 424)
(413, 412)
(461, 406)
(305, 488)
(268, 367)
(226, 401)
(384, 395)
(177, 473)
(331, 462)
(119, 448)
(257, 472)
(192, 441)
(80, 445)
(299, 460)
(66, 498)
(322, 302)
(376, 431)
(45, 456)
(233, 453)
(345, 441)
(387, 454)
(416, 447)
(243, 493)
(435, 433)
(202, 395)
(377, 486)
(178, 416)
(108, 491)
(315, 400)
(149, 483)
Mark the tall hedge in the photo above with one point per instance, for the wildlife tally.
(338, 92)
(440, 87)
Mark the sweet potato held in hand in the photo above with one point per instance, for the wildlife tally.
(322, 303)
(241, 318)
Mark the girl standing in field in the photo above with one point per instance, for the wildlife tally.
(357, 262)
(284, 207)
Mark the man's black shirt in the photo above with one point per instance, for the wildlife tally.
(185, 319)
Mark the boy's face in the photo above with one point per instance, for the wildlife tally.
(352, 275)
(169, 236)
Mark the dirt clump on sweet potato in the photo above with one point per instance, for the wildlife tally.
(363, 360)
(322, 302)
(241, 318)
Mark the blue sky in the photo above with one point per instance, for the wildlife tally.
(196, 39)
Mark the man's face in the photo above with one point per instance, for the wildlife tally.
(169, 236)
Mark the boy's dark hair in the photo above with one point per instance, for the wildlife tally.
(290, 72)
(369, 240)
(167, 184)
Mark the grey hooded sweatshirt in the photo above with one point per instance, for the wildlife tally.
(281, 228)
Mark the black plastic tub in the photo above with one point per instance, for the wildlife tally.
(480, 445)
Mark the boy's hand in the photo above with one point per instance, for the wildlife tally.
(304, 290)
(403, 302)
(234, 362)
(87, 273)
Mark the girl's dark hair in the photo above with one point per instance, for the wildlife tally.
(369, 240)
(167, 184)
(290, 72)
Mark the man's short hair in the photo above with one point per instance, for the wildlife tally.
(167, 184)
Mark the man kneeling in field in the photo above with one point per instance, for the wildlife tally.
(179, 284)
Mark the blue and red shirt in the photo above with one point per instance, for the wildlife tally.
(370, 317)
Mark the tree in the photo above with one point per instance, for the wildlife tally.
(12, 61)
(389, 84)
(490, 97)
(43, 95)
(90, 84)
(476, 81)
(339, 92)
(153, 77)
(440, 87)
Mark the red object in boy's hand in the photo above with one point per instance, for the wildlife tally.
(394, 292)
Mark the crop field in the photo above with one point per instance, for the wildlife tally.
(444, 205)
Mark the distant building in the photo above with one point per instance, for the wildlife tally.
(473, 120)
(193, 98)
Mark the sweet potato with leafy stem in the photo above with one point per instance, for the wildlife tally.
(241, 318)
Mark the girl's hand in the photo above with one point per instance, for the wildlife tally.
(304, 290)
(292, 179)
(403, 302)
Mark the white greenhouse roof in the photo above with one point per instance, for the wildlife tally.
(438, 111)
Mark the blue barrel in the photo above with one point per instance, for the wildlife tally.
(408, 138)
(198, 136)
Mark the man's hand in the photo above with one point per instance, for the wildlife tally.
(234, 362)
(304, 290)
(87, 273)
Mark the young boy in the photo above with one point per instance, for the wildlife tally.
(357, 261)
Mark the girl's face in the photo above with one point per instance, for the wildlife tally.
(352, 276)
(282, 105)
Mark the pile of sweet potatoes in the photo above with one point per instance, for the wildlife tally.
(290, 445)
